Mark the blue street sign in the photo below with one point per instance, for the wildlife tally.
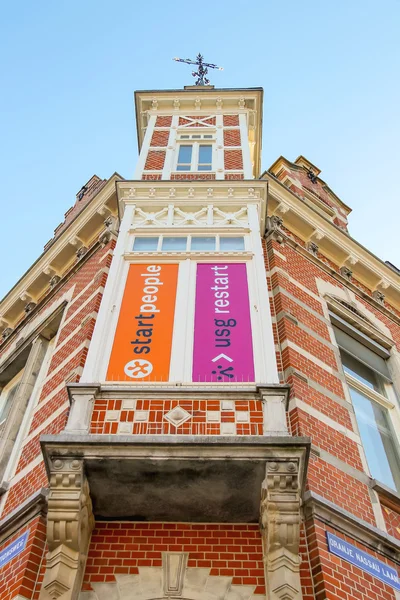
(363, 561)
(13, 549)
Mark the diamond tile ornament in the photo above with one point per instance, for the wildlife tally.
(177, 416)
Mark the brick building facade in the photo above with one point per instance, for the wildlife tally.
(198, 381)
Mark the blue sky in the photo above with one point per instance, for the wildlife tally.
(68, 69)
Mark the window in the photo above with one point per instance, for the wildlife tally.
(195, 155)
(145, 244)
(174, 244)
(195, 243)
(203, 243)
(227, 244)
(205, 157)
(184, 158)
(371, 390)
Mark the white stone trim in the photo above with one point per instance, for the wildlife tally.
(70, 356)
(100, 289)
(197, 584)
(244, 146)
(307, 355)
(45, 423)
(263, 337)
(23, 473)
(313, 412)
(145, 147)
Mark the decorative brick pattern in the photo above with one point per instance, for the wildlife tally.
(233, 176)
(152, 177)
(199, 121)
(231, 120)
(163, 121)
(155, 160)
(159, 138)
(228, 550)
(208, 417)
(233, 160)
(192, 176)
(231, 137)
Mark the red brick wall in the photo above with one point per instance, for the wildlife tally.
(233, 160)
(228, 550)
(90, 280)
(155, 160)
(23, 574)
(231, 120)
(159, 138)
(335, 578)
(302, 329)
(164, 121)
(231, 137)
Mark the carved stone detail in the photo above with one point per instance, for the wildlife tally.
(81, 252)
(82, 402)
(29, 307)
(174, 571)
(54, 280)
(379, 296)
(274, 225)
(274, 410)
(346, 272)
(313, 248)
(6, 333)
(280, 523)
(69, 525)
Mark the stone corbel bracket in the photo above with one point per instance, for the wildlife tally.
(82, 399)
(280, 524)
(69, 525)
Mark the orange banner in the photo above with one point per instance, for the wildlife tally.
(143, 338)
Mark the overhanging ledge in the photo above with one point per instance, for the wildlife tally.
(176, 478)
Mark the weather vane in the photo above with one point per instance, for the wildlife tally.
(202, 68)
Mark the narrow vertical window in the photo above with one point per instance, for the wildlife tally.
(205, 157)
(184, 158)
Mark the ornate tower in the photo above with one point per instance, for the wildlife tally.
(179, 418)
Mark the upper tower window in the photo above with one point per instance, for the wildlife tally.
(195, 150)
(195, 157)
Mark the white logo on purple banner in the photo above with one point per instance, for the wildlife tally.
(223, 347)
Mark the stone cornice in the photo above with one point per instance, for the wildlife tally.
(60, 256)
(334, 243)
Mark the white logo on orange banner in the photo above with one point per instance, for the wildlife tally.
(138, 368)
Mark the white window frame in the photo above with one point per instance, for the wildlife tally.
(196, 143)
(388, 402)
(217, 237)
(5, 392)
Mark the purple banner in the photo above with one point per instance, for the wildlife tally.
(223, 348)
